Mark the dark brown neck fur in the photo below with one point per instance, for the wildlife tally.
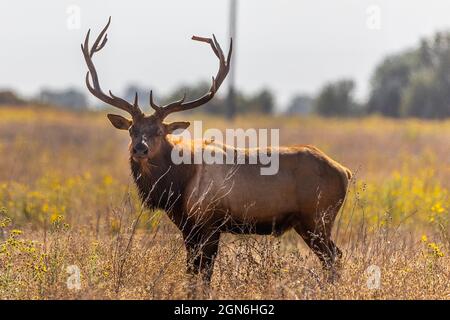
(161, 183)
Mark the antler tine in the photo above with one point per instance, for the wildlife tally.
(207, 40)
(95, 88)
(100, 47)
(224, 68)
(219, 49)
(136, 98)
(95, 46)
(153, 104)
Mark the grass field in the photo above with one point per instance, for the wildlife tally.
(67, 199)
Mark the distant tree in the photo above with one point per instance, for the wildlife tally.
(300, 104)
(8, 97)
(425, 54)
(390, 79)
(336, 99)
(70, 98)
(262, 102)
(415, 83)
(420, 97)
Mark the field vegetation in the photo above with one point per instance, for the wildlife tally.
(67, 199)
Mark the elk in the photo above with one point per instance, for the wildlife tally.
(305, 195)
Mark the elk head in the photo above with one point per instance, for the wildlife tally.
(148, 133)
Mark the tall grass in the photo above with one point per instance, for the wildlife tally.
(66, 198)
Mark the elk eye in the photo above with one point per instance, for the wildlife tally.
(159, 132)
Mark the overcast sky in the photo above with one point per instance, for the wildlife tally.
(290, 46)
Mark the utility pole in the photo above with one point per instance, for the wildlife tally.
(231, 98)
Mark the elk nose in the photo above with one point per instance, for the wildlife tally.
(140, 149)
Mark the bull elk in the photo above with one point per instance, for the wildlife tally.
(306, 193)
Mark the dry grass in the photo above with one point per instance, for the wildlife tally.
(67, 199)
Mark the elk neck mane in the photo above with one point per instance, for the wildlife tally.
(160, 182)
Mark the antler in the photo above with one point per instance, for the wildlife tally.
(180, 105)
(96, 90)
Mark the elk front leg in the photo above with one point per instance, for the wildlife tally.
(201, 253)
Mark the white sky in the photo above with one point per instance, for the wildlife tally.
(290, 46)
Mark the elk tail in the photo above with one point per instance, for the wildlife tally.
(346, 175)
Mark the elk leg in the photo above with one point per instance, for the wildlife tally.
(201, 254)
(322, 246)
(337, 253)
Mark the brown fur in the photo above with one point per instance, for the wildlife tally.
(306, 195)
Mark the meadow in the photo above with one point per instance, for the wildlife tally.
(67, 199)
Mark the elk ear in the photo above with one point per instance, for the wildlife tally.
(171, 127)
(119, 122)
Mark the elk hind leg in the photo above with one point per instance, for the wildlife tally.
(319, 241)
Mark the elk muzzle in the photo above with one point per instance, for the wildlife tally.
(140, 150)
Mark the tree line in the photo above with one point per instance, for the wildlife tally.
(411, 83)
